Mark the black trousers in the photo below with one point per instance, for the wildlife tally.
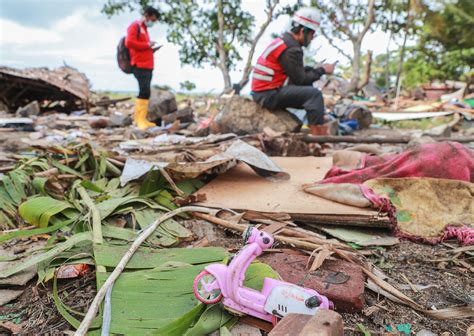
(143, 77)
(295, 96)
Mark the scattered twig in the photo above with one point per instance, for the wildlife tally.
(413, 288)
(171, 182)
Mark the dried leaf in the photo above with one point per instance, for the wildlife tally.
(322, 255)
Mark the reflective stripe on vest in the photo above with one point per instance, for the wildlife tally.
(268, 74)
(262, 77)
(271, 48)
(265, 69)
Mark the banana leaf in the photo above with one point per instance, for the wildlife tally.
(158, 290)
(108, 207)
(39, 210)
(56, 250)
(29, 233)
(5, 221)
(91, 186)
(213, 318)
(165, 199)
(190, 186)
(11, 190)
(170, 232)
(181, 325)
(153, 181)
(65, 169)
(39, 183)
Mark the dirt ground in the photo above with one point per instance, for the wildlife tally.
(35, 309)
(450, 285)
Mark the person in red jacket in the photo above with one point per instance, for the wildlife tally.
(141, 53)
(280, 80)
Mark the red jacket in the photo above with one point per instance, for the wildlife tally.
(139, 45)
(268, 74)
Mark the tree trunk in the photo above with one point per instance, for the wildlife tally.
(402, 51)
(221, 48)
(400, 61)
(226, 77)
(367, 70)
(387, 64)
(355, 67)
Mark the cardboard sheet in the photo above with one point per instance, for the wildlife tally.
(241, 188)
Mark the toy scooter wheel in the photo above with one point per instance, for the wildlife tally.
(203, 280)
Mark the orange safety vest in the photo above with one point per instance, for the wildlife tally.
(268, 74)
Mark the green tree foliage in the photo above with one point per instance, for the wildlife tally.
(445, 48)
(453, 26)
(187, 85)
(443, 33)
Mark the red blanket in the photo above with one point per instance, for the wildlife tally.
(446, 160)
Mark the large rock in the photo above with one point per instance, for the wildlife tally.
(243, 116)
(162, 102)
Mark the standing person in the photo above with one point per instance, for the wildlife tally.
(280, 80)
(141, 54)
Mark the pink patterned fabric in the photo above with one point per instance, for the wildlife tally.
(463, 234)
(447, 160)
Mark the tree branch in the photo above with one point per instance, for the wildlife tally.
(346, 27)
(248, 66)
(323, 32)
(368, 67)
(370, 19)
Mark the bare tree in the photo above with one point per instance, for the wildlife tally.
(348, 21)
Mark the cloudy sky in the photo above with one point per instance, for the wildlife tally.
(37, 33)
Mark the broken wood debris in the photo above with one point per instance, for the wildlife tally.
(20, 86)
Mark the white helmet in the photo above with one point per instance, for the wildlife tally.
(308, 17)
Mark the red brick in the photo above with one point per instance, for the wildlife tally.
(323, 323)
(348, 297)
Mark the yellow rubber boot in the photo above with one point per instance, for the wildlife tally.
(141, 111)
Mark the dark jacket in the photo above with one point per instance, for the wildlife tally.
(292, 62)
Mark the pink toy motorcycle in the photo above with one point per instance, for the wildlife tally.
(277, 298)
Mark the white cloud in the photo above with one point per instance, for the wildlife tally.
(16, 34)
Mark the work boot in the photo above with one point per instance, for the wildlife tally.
(319, 129)
(141, 111)
(329, 128)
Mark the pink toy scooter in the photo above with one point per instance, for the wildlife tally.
(277, 298)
